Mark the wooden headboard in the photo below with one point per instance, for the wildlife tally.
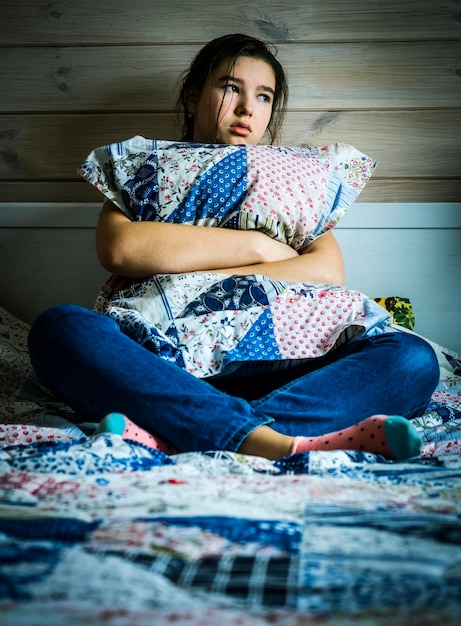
(384, 76)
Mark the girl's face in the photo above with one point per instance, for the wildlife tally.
(235, 104)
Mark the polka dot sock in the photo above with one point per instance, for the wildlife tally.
(119, 424)
(392, 436)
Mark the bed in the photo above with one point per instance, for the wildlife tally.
(95, 529)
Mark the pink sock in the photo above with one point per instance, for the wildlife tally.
(119, 424)
(392, 436)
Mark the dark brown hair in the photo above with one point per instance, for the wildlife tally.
(230, 47)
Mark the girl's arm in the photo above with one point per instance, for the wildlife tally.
(141, 249)
(321, 262)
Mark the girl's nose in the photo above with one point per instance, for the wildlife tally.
(244, 107)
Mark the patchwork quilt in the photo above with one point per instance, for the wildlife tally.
(97, 530)
(212, 323)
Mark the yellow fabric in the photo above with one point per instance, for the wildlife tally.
(400, 309)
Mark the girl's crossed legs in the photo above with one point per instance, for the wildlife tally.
(85, 358)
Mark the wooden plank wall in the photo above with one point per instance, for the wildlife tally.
(384, 76)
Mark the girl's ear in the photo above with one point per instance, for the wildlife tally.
(191, 102)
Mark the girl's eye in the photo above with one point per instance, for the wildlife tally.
(264, 97)
(231, 88)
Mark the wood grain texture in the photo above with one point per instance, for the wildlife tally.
(384, 76)
(144, 78)
(35, 22)
(408, 144)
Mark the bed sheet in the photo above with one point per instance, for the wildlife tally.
(94, 529)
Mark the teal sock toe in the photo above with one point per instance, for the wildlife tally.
(402, 438)
(113, 423)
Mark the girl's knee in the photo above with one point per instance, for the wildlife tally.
(420, 359)
(66, 327)
(51, 322)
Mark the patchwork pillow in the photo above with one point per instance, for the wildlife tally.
(292, 194)
(211, 323)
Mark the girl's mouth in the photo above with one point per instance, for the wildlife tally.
(241, 129)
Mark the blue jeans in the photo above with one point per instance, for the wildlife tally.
(85, 358)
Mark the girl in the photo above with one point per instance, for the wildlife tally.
(359, 396)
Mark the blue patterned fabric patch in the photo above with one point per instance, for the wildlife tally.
(217, 193)
(230, 294)
(142, 191)
(258, 344)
